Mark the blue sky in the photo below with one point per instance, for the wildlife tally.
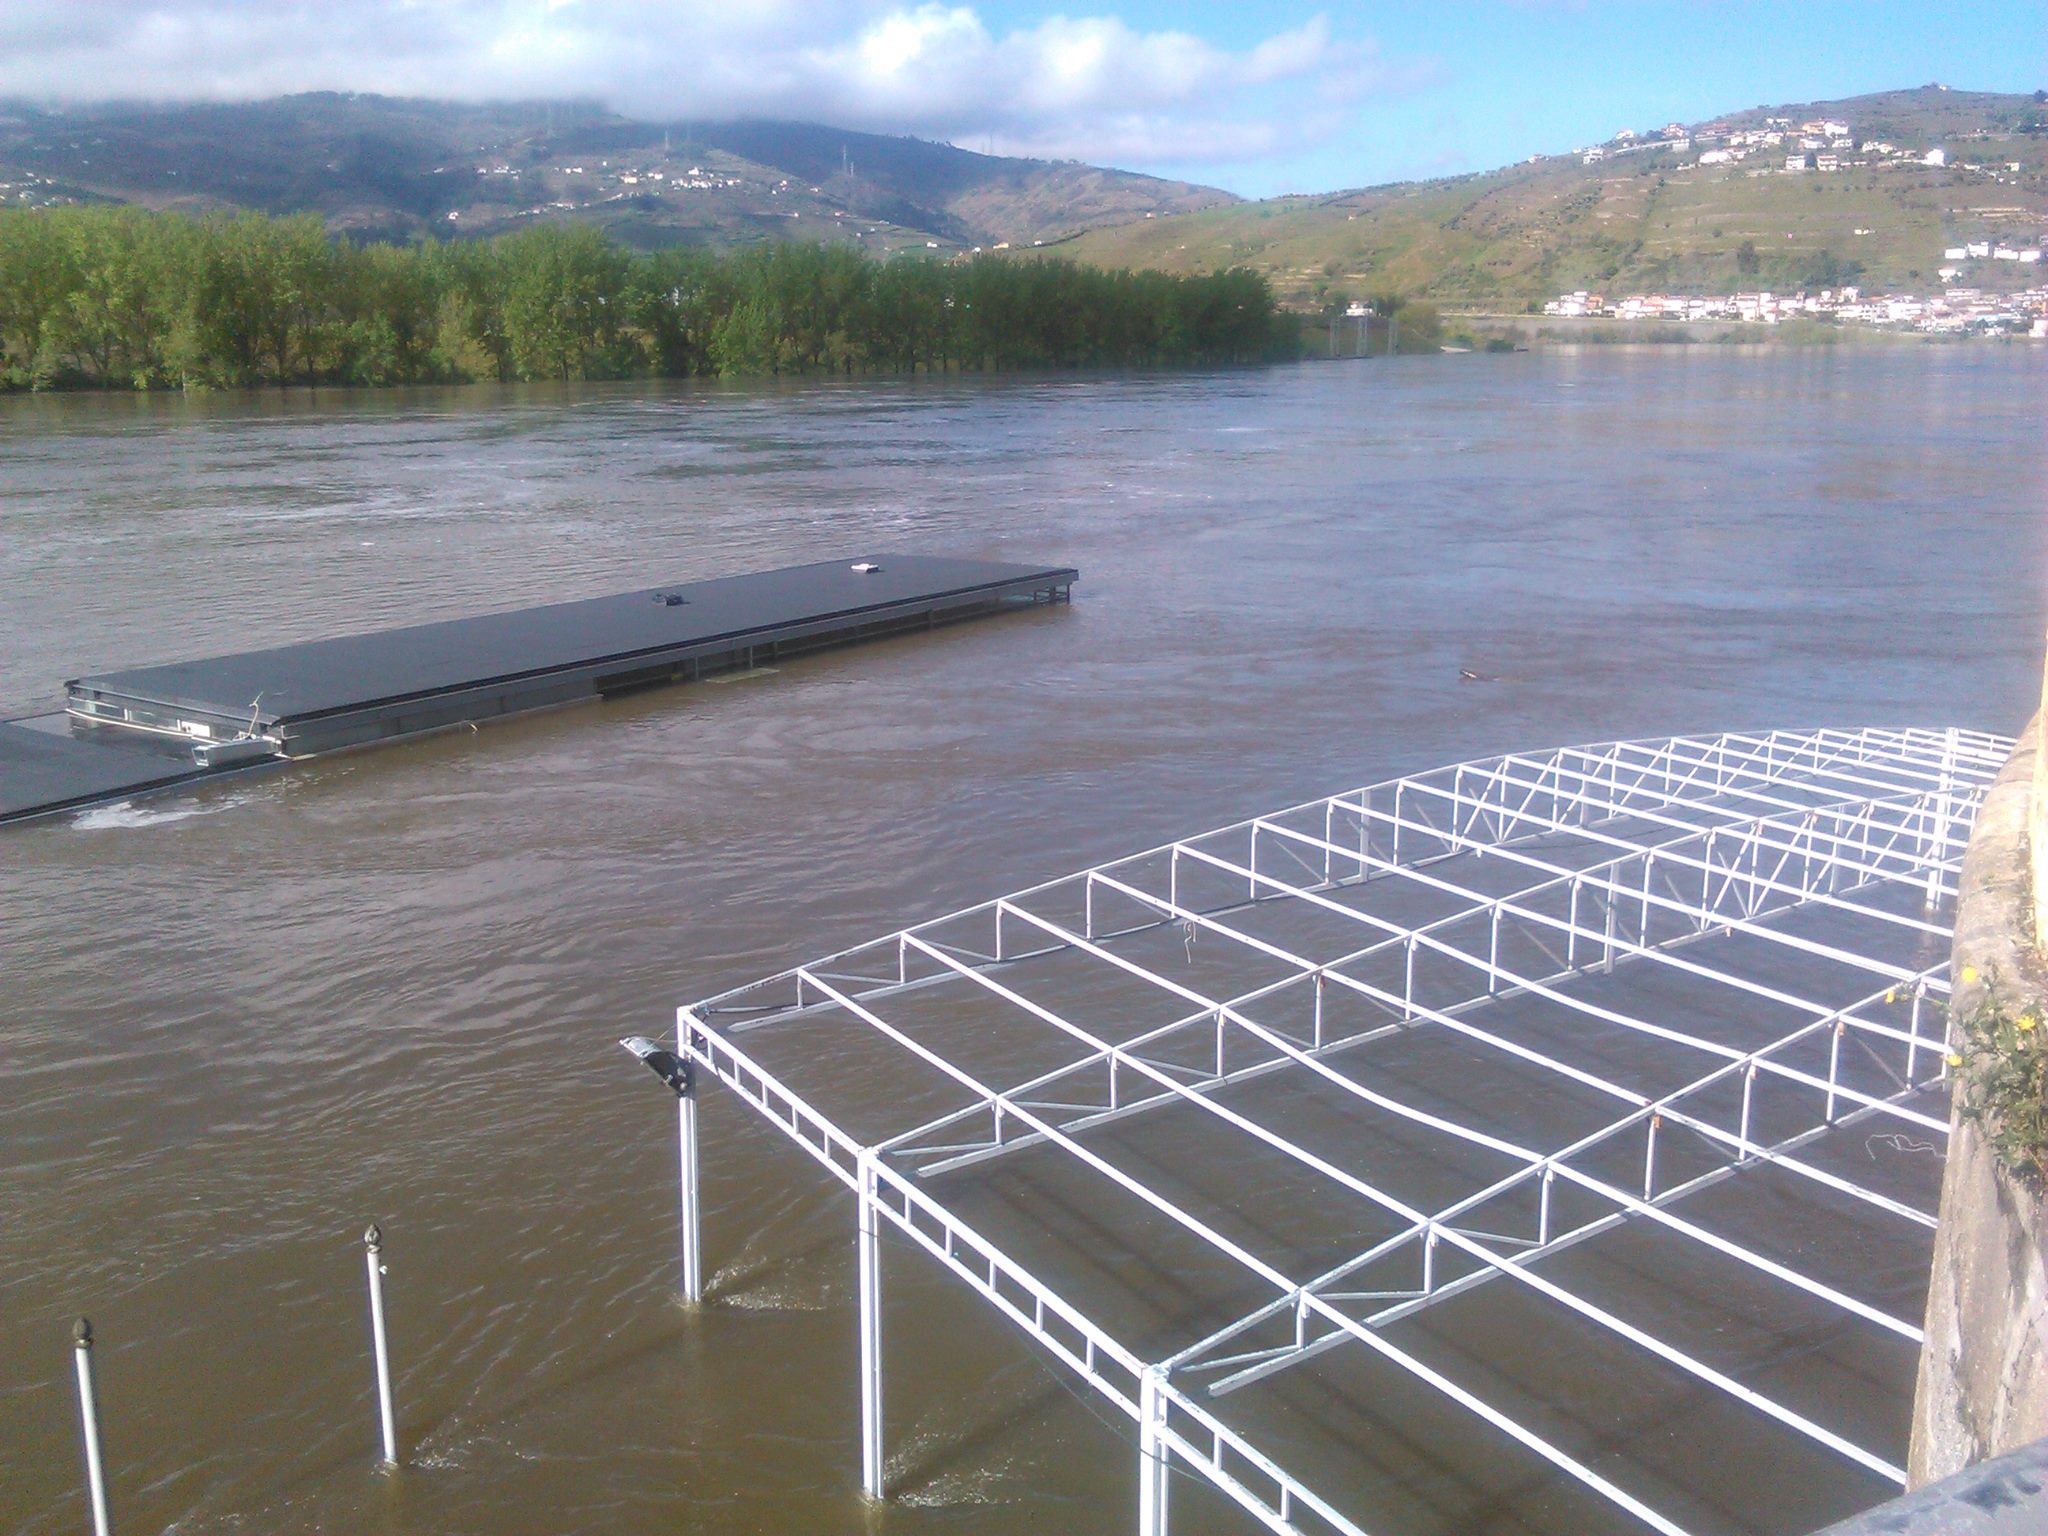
(1257, 98)
(1496, 82)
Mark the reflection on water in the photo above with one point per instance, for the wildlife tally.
(237, 1025)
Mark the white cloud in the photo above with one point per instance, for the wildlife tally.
(1090, 87)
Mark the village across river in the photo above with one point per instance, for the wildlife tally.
(238, 1025)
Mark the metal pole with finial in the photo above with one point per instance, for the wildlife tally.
(89, 1410)
(373, 1254)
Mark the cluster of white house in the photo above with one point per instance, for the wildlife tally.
(1956, 311)
(696, 178)
(32, 191)
(1819, 144)
(1984, 250)
(607, 184)
(589, 185)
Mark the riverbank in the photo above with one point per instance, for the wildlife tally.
(1606, 330)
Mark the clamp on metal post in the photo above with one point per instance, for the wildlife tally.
(678, 1072)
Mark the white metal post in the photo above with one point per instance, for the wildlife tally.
(870, 1265)
(686, 1148)
(693, 1249)
(373, 1256)
(1153, 1455)
(1938, 840)
(89, 1412)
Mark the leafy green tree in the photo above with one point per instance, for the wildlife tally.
(118, 319)
(392, 302)
(1827, 270)
(565, 303)
(38, 275)
(676, 298)
(747, 340)
(470, 332)
(1421, 327)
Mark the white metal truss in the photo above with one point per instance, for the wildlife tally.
(1541, 910)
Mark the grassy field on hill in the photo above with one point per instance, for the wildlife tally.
(1643, 220)
(1634, 218)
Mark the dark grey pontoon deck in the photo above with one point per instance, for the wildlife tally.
(49, 770)
(322, 695)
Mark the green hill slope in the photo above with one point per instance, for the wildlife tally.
(1643, 218)
(380, 167)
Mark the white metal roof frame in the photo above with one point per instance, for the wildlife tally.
(1577, 861)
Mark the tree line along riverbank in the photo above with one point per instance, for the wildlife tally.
(123, 298)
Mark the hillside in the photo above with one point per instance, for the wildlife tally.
(1645, 212)
(384, 168)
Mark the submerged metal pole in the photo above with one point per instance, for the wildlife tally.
(674, 1069)
(373, 1250)
(693, 1248)
(870, 1267)
(684, 1081)
(89, 1411)
(1152, 1456)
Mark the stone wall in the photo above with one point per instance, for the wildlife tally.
(2037, 827)
(1983, 1385)
(2005, 1496)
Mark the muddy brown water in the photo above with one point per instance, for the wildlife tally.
(239, 1023)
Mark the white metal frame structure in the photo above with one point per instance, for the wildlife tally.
(1738, 945)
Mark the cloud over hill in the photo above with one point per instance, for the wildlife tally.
(1089, 87)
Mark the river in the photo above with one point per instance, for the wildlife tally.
(239, 1023)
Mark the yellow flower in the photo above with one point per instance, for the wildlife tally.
(1969, 974)
(2026, 1021)
(1954, 1060)
(1891, 994)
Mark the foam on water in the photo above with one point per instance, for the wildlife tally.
(126, 815)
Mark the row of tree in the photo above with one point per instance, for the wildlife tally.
(123, 298)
